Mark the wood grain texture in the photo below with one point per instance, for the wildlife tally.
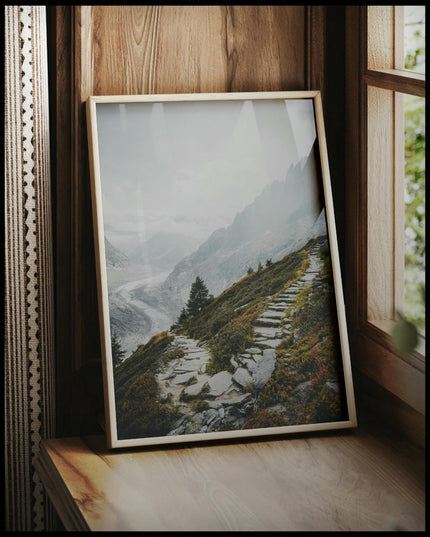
(380, 44)
(316, 50)
(391, 371)
(194, 49)
(326, 483)
(395, 80)
(380, 206)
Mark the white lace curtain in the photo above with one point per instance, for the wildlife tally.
(29, 330)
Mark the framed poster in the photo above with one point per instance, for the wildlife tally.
(220, 294)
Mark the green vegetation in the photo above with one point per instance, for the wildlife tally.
(198, 299)
(414, 310)
(140, 410)
(142, 413)
(306, 382)
(225, 323)
(415, 210)
(117, 351)
(231, 339)
(415, 40)
(145, 359)
(305, 385)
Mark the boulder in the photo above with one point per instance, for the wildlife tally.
(242, 377)
(195, 389)
(273, 343)
(253, 350)
(219, 383)
(183, 378)
(264, 368)
(233, 362)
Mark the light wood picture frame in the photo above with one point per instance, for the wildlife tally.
(220, 295)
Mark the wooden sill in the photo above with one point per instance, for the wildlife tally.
(374, 357)
(415, 358)
(333, 481)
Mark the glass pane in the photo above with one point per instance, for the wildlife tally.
(414, 38)
(415, 210)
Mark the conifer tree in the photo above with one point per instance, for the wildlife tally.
(117, 351)
(199, 297)
(183, 316)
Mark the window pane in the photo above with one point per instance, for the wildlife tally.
(415, 210)
(414, 38)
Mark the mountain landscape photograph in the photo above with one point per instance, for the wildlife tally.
(221, 297)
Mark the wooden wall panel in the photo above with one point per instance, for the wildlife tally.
(107, 50)
(188, 49)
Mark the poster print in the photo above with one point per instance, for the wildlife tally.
(220, 295)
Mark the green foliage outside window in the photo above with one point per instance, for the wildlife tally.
(414, 42)
(415, 210)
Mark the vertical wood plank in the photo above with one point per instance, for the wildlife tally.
(381, 32)
(84, 283)
(316, 50)
(380, 203)
(59, 49)
(399, 202)
(355, 169)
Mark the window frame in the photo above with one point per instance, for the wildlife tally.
(373, 65)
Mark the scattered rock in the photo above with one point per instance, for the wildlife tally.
(219, 383)
(183, 378)
(303, 388)
(253, 350)
(195, 389)
(228, 405)
(242, 377)
(264, 368)
(334, 386)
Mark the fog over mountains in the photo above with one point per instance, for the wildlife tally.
(278, 222)
(163, 250)
(156, 276)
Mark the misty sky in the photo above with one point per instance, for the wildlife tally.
(190, 167)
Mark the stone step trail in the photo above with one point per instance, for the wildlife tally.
(273, 325)
(228, 395)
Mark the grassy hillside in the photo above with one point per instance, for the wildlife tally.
(225, 324)
(306, 385)
(140, 411)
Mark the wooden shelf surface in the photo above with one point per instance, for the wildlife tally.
(346, 481)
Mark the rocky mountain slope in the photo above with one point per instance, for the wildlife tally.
(225, 382)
